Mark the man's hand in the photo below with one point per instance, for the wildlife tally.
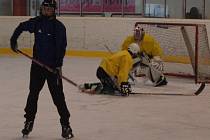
(13, 45)
(59, 71)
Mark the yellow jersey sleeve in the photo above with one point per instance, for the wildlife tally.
(118, 65)
(150, 46)
(124, 69)
(127, 42)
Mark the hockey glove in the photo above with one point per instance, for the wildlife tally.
(125, 89)
(157, 59)
(59, 71)
(13, 45)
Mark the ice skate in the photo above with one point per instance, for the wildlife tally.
(27, 128)
(90, 88)
(67, 132)
(161, 82)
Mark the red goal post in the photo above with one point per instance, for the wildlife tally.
(186, 48)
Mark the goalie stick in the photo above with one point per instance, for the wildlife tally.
(47, 67)
(197, 92)
(170, 94)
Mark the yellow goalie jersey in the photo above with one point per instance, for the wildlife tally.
(148, 45)
(118, 65)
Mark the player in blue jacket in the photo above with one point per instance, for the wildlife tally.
(49, 48)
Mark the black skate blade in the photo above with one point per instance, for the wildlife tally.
(25, 134)
(71, 136)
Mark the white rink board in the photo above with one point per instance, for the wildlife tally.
(87, 33)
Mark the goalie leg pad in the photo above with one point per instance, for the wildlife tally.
(143, 63)
(156, 76)
(158, 66)
(139, 71)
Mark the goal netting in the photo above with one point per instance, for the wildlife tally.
(186, 48)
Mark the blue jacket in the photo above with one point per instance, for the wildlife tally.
(50, 39)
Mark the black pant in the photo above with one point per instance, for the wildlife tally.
(106, 80)
(38, 76)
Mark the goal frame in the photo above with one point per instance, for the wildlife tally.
(193, 59)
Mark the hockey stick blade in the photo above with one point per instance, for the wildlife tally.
(200, 89)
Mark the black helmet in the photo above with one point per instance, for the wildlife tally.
(49, 3)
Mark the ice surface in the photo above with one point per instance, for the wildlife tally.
(102, 117)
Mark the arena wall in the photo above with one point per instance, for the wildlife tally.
(87, 36)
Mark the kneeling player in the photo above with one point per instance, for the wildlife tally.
(113, 73)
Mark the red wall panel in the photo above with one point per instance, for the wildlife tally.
(19, 7)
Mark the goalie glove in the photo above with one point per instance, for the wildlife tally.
(125, 89)
(157, 59)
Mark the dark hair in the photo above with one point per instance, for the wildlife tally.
(194, 13)
(49, 3)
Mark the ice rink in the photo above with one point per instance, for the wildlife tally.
(102, 117)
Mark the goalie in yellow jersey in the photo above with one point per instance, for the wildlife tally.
(150, 56)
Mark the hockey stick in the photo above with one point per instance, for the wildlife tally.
(108, 49)
(167, 94)
(200, 89)
(197, 92)
(47, 68)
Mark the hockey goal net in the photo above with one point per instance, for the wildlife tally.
(186, 48)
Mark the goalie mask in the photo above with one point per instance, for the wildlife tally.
(138, 32)
(134, 49)
(48, 8)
